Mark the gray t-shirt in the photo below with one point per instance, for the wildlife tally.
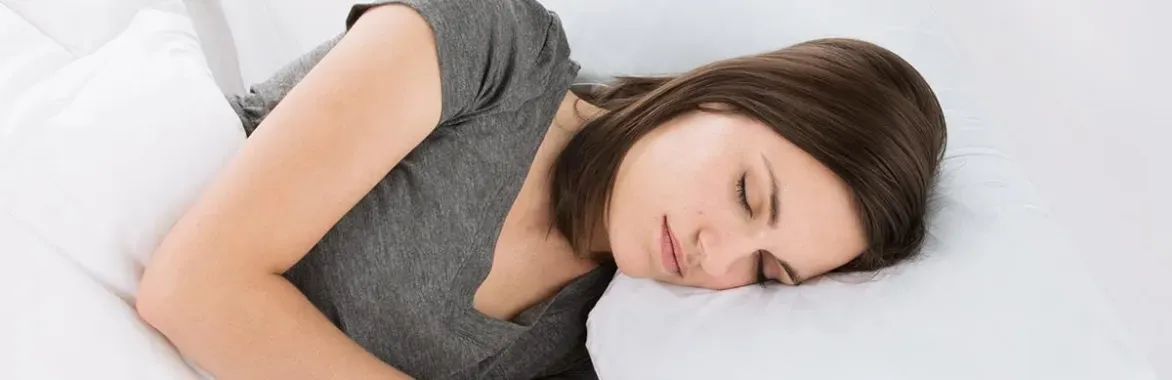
(399, 271)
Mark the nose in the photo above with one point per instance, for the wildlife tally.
(720, 250)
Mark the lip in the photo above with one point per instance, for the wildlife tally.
(669, 251)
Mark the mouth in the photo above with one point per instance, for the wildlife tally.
(669, 251)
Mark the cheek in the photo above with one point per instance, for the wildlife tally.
(682, 151)
(676, 174)
(676, 163)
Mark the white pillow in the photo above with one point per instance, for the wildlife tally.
(997, 295)
(101, 151)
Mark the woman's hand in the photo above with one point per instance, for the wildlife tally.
(214, 286)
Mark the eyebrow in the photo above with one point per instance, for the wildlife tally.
(773, 197)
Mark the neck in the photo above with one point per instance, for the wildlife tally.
(532, 208)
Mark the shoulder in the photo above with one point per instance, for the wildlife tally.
(492, 53)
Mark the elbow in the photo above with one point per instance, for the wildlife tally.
(181, 301)
(152, 301)
(162, 301)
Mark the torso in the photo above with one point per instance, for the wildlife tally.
(443, 270)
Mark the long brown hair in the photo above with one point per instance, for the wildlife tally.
(859, 109)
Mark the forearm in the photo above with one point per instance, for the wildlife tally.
(213, 286)
(260, 328)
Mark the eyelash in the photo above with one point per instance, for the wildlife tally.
(741, 194)
(761, 279)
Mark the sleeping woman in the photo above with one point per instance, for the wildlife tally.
(428, 195)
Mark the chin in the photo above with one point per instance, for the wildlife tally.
(631, 265)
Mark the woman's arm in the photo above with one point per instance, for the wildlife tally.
(214, 286)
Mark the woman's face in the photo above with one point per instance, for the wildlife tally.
(713, 200)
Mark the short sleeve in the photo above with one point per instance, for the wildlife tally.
(493, 54)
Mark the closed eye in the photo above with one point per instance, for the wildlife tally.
(762, 279)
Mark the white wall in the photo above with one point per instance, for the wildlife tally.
(1081, 88)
